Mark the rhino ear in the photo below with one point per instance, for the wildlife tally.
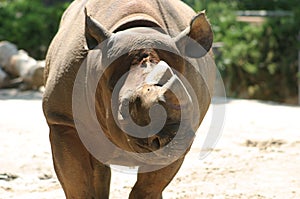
(95, 33)
(196, 40)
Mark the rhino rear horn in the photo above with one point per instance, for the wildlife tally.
(95, 33)
(196, 40)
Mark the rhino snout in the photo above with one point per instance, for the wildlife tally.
(155, 104)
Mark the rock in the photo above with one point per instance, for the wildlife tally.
(3, 78)
(35, 75)
(7, 50)
(20, 64)
(30, 70)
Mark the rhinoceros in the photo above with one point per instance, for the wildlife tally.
(127, 82)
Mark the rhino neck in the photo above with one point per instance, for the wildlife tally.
(137, 20)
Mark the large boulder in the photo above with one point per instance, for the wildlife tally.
(7, 50)
(18, 66)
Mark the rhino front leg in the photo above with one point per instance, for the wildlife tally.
(151, 185)
(80, 175)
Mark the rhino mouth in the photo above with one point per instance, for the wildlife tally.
(167, 146)
(159, 140)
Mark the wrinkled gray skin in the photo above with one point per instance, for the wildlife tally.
(124, 25)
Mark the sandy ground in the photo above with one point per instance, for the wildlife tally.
(257, 156)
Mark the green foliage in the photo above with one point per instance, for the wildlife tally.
(268, 5)
(257, 61)
(240, 58)
(29, 24)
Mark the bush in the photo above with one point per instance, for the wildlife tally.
(241, 55)
(257, 61)
(29, 24)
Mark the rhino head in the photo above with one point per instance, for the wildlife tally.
(141, 99)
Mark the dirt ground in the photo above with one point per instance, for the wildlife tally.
(257, 156)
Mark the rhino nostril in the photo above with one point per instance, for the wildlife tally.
(159, 85)
(138, 100)
(155, 144)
